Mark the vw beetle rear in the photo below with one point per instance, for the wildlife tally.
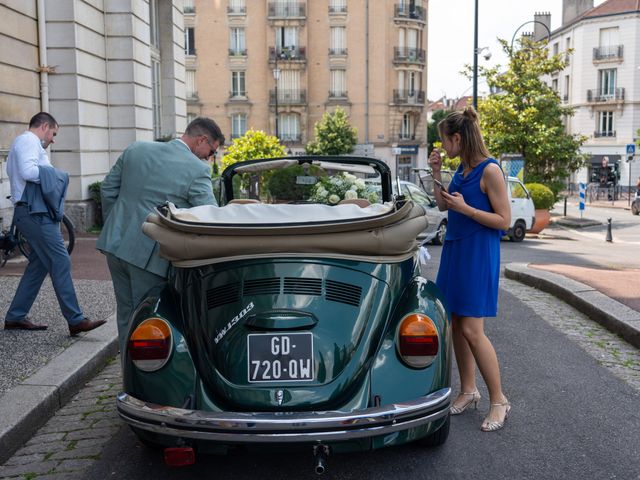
(317, 335)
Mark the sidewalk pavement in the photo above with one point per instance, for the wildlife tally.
(53, 367)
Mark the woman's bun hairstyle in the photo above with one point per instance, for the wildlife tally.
(470, 113)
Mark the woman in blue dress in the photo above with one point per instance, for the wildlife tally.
(479, 212)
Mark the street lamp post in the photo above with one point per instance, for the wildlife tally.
(276, 76)
(475, 58)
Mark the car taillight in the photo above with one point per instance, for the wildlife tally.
(417, 340)
(150, 344)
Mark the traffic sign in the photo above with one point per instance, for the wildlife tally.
(631, 148)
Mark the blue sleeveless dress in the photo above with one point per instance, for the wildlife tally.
(470, 262)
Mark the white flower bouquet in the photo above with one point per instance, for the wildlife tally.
(332, 190)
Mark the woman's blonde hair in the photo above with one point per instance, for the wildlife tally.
(465, 122)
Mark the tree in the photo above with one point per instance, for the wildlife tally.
(333, 135)
(252, 145)
(432, 128)
(526, 115)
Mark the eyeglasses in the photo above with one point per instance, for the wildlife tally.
(214, 150)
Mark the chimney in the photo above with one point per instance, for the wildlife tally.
(572, 9)
(539, 32)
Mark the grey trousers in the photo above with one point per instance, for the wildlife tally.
(130, 285)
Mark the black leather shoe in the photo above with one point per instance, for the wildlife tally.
(23, 325)
(85, 325)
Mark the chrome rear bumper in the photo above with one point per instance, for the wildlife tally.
(283, 427)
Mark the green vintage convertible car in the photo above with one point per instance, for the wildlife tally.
(295, 317)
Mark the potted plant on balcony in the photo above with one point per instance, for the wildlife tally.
(543, 200)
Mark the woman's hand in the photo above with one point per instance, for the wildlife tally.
(455, 201)
(435, 161)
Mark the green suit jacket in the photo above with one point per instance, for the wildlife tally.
(146, 175)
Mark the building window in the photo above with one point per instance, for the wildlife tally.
(607, 82)
(237, 6)
(189, 41)
(606, 127)
(238, 84)
(554, 85)
(406, 129)
(567, 86)
(287, 42)
(238, 125)
(289, 127)
(190, 84)
(154, 24)
(338, 41)
(556, 48)
(237, 44)
(189, 7)
(337, 6)
(338, 84)
(406, 164)
(156, 97)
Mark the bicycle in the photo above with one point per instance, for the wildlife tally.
(12, 238)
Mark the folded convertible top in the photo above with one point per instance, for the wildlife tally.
(200, 235)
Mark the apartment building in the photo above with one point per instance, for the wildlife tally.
(602, 83)
(279, 65)
(111, 72)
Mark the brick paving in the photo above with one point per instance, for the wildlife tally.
(70, 442)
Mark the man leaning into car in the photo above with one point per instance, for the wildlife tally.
(146, 175)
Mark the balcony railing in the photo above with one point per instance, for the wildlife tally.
(236, 135)
(337, 9)
(599, 96)
(238, 96)
(290, 137)
(609, 52)
(605, 133)
(287, 53)
(236, 9)
(337, 51)
(408, 97)
(409, 55)
(287, 10)
(189, 9)
(404, 136)
(403, 11)
(338, 95)
(288, 97)
(237, 52)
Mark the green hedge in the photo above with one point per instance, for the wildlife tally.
(542, 196)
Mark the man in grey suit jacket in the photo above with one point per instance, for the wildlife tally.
(146, 175)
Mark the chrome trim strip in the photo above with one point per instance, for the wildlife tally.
(283, 427)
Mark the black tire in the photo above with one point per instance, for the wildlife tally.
(442, 232)
(437, 438)
(68, 234)
(518, 232)
(634, 208)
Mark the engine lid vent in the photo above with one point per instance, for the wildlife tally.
(222, 295)
(262, 286)
(302, 286)
(343, 292)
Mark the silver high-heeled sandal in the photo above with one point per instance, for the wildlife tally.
(474, 397)
(488, 426)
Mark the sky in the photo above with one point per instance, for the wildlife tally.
(450, 33)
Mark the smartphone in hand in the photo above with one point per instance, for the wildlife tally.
(439, 184)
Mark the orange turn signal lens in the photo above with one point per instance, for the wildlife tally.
(418, 341)
(150, 344)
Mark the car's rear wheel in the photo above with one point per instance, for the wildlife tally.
(440, 234)
(518, 232)
(439, 437)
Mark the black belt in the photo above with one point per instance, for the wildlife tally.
(21, 204)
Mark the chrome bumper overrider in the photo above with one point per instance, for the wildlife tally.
(283, 427)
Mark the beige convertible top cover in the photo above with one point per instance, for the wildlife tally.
(201, 235)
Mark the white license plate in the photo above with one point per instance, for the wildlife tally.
(280, 357)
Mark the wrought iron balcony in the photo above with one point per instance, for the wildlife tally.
(236, 9)
(605, 133)
(409, 55)
(189, 9)
(288, 54)
(286, 9)
(288, 97)
(413, 12)
(337, 9)
(338, 95)
(411, 97)
(238, 96)
(597, 96)
(290, 137)
(237, 52)
(337, 51)
(609, 52)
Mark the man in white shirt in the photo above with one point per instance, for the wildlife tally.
(49, 255)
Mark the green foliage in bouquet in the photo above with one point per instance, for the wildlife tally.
(342, 186)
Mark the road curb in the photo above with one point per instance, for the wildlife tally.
(29, 405)
(608, 312)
